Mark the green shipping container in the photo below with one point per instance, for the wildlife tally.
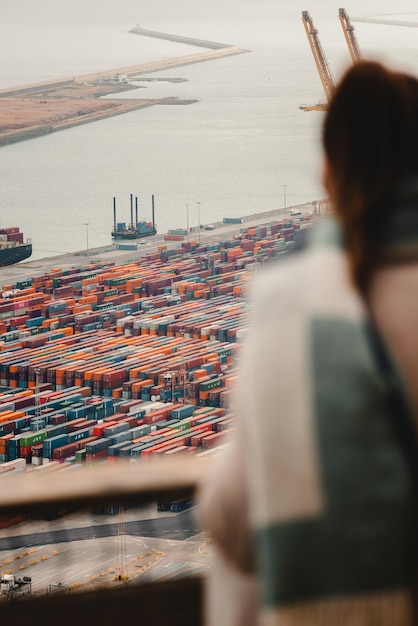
(214, 383)
(29, 439)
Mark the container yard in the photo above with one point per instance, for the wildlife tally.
(135, 361)
(106, 363)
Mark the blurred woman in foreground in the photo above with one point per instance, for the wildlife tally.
(311, 505)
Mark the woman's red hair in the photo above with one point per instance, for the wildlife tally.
(370, 138)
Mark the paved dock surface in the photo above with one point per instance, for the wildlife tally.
(83, 550)
(28, 269)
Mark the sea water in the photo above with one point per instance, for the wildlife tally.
(245, 146)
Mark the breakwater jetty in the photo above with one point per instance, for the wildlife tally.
(192, 41)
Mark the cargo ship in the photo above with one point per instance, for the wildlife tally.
(12, 247)
(135, 229)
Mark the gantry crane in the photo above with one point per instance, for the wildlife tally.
(350, 37)
(320, 58)
(321, 63)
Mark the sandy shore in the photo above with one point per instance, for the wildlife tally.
(38, 109)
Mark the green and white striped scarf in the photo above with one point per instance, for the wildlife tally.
(330, 498)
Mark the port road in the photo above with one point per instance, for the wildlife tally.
(177, 526)
(94, 563)
(79, 550)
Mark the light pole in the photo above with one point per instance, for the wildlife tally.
(198, 217)
(284, 197)
(187, 206)
(86, 224)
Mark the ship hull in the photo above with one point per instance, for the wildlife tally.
(126, 234)
(12, 255)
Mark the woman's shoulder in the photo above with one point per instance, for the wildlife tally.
(314, 279)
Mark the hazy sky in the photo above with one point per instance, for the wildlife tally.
(46, 29)
(224, 16)
(232, 12)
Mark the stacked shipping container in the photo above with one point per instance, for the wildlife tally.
(126, 343)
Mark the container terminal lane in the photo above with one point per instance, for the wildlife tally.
(84, 550)
(87, 548)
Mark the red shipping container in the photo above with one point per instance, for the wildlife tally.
(98, 430)
(96, 456)
(213, 440)
(18, 237)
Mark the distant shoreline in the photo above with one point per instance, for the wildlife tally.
(32, 132)
(39, 109)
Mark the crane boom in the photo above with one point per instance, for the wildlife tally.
(319, 56)
(350, 37)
